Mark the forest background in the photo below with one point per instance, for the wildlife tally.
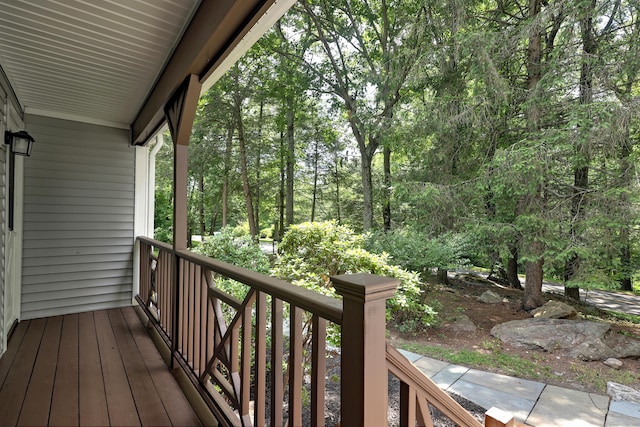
(501, 134)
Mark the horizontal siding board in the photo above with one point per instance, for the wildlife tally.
(78, 222)
(79, 226)
(76, 267)
(70, 285)
(81, 185)
(78, 251)
(76, 243)
(75, 293)
(76, 192)
(79, 201)
(75, 217)
(90, 174)
(56, 260)
(85, 276)
(79, 234)
(79, 210)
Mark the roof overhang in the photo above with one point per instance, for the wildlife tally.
(117, 63)
(218, 35)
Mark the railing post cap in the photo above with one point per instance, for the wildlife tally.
(364, 287)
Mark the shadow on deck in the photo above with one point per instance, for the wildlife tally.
(95, 368)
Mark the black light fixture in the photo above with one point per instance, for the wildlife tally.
(21, 142)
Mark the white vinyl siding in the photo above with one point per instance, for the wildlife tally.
(78, 218)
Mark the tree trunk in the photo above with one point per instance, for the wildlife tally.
(337, 174)
(315, 182)
(201, 204)
(581, 170)
(386, 208)
(534, 269)
(533, 283)
(512, 268)
(225, 179)
(281, 195)
(290, 159)
(248, 199)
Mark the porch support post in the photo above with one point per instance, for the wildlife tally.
(180, 112)
(364, 369)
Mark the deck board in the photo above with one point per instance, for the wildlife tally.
(142, 388)
(174, 401)
(37, 401)
(92, 399)
(64, 402)
(97, 368)
(122, 409)
(15, 386)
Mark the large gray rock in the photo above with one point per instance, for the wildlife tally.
(555, 310)
(579, 339)
(490, 297)
(461, 323)
(622, 393)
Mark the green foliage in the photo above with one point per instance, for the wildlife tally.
(415, 251)
(239, 251)
(312, 252)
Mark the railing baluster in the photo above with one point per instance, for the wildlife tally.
(197, 321)
(318, 370)
(245, 358)
(191, 315)
(260, 360)
(295, 367)
(277, 383)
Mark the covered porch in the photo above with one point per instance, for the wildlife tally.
(91, 369)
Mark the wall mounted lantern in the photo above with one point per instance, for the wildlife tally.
(21, 144)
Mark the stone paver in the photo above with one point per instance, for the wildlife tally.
(628, 409)
(531, 402)
(525, 389)
(617, 420)
(429, 366)
(488, 397)
(449, 375)
(561, 407)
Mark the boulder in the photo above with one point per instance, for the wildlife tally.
(580, 339)
(461, 323)
(614, 363)
(622, 393)
(490, 297)
(555, 310)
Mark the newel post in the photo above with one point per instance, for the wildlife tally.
(364, 371)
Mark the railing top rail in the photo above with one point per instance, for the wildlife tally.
(313, 302)
(156, 243)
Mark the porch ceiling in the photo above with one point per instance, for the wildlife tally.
(117, 62)
(85, 60)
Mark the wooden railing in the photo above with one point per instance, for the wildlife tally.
(248, 354)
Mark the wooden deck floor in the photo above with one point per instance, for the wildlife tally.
(97, 368)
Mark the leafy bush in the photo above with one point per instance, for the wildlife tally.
(312, 252)
(416, 251)
(239, 251)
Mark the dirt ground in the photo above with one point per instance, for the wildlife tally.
(460, 297)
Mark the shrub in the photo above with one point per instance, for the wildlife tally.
(416, 251)
(239, 251)
(312, 252)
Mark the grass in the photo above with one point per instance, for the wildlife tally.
(492, 357)
(598, 380)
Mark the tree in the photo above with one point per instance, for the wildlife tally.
(368, 49)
